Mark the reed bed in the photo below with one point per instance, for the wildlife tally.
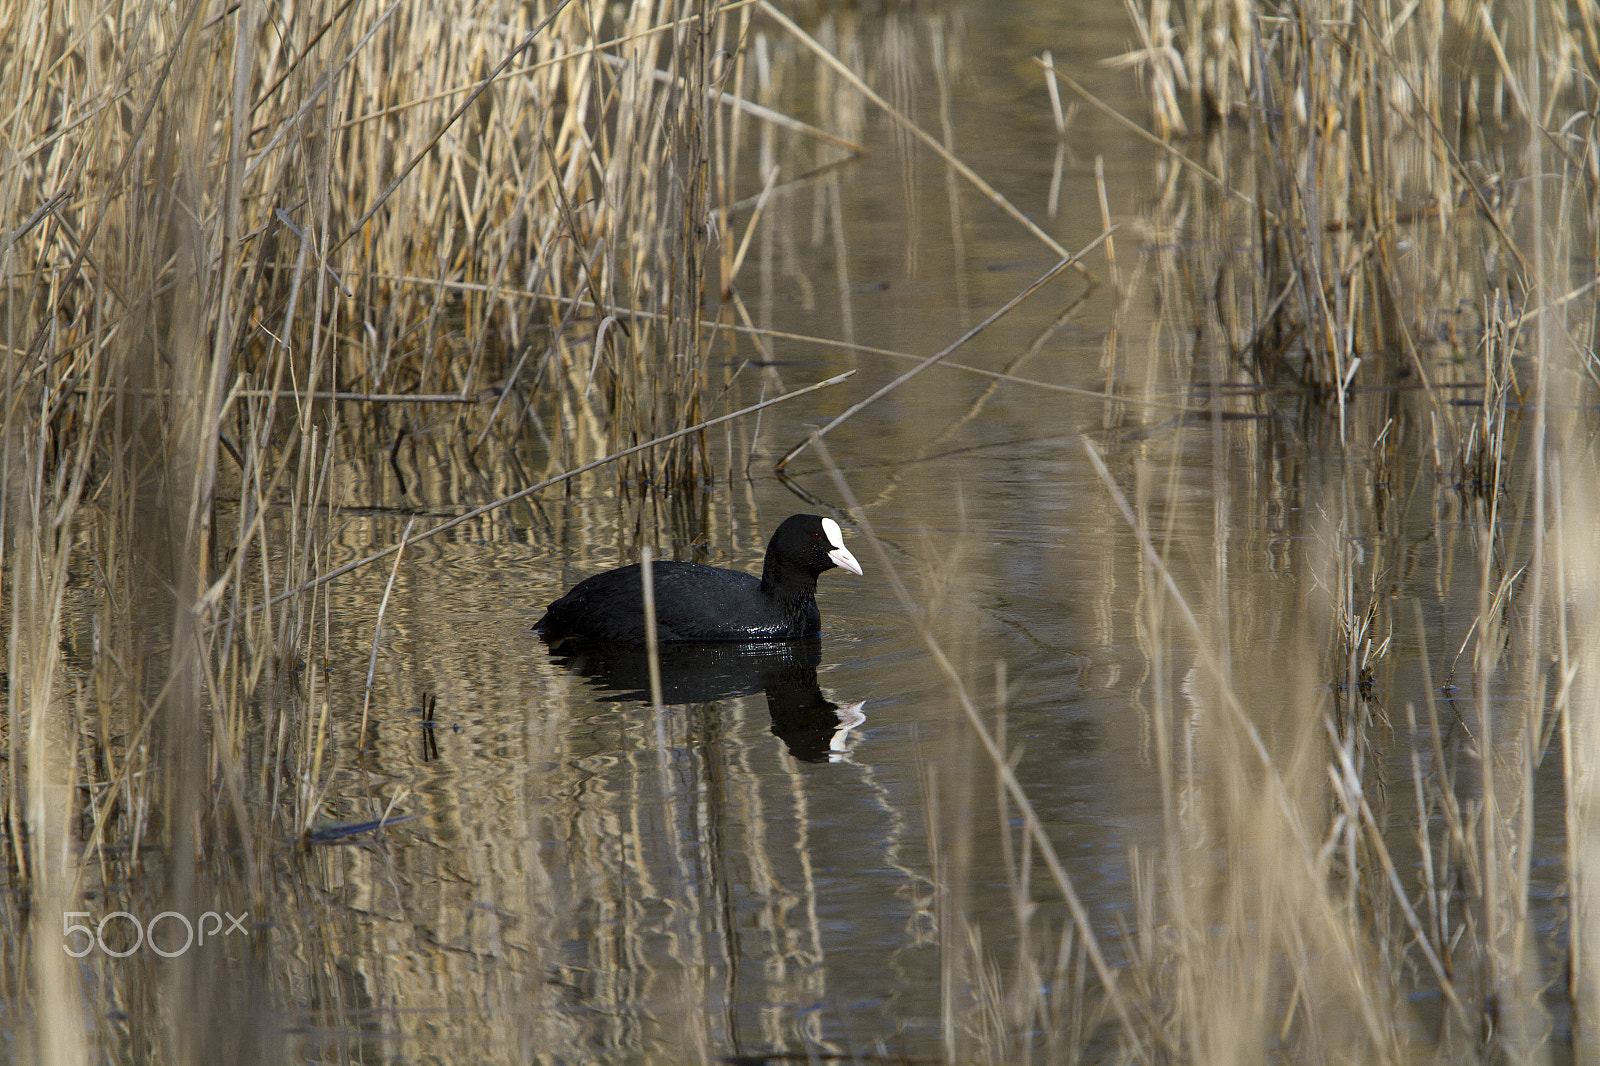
(239, 247)
(1379, 224)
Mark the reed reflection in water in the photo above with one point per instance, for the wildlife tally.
(707, 851)
(814, 728)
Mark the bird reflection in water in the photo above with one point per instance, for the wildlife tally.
(814, 728)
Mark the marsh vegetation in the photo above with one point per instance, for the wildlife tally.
(1222, 683)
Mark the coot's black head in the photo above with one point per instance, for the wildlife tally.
(808, 544)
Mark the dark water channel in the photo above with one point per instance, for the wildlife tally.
(807, 851)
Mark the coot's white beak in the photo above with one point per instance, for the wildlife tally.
(840, 555)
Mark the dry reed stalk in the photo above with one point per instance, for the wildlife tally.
(42, 738)
(954, 346)
(652, 651)
(377, 637)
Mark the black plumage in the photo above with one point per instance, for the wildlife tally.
(708, 603)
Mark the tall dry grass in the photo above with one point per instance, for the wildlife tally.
(231, 236)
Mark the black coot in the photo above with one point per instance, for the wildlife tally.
(704, 603)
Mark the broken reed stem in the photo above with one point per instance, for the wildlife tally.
(1177, 154)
